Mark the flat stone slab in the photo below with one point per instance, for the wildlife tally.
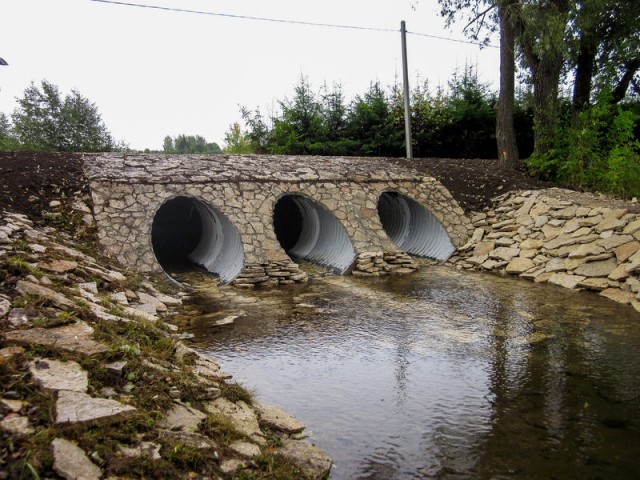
(56, 375)
(29, 288)
(190, 439)
(519, 265)
(241, 416)
(618, 295)
(597, 269)
(7, 353)
(20, 317)
(5, 306)
(91, 287)
(309, 458)
(107, 275)
(145, 448)
(75, 338)
(231, 466)
(565, 280)
(59, 266)
(167, 299)
(13, 405)
(71, 463)
(17, 425)
(183, 418)
(245, 449)
(275, 418)
(140, 314)
(145, 298)
(77, 407)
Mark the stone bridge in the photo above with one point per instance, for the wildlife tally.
(249, 218)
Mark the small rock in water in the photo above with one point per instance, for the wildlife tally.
(183, 336)
(226, 320)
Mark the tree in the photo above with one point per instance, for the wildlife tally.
(492, 15)
(371, 125)
(470, 107)
(334, 121)
(167, 145)
(598, 39)
(5, 126)
(258, 133)
(300, 128)
(189, 144)
(604, 50)
(82, 126)
(236, 141)
(7, 142)
(506, 142)
(43, 120)
(540, 28)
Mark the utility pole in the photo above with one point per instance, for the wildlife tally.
(405, 84)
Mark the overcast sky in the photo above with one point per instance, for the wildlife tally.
(154, 73)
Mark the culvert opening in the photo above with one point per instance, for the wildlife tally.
(412, 228)
(308, 231)
(187, 233)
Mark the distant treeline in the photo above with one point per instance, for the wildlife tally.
(458, 122)
(189, 144)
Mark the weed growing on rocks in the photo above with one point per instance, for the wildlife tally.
(234, 392)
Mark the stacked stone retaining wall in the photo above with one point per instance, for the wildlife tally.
(574, 240)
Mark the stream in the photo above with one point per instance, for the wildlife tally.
(439, 374)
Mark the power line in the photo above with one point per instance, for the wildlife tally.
(247, 17)
(292, 22)
(457, 40)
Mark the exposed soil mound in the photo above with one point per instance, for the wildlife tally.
(30, 180)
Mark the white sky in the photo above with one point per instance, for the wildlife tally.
(154, 73)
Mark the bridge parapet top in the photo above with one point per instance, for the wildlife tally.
(176, 169)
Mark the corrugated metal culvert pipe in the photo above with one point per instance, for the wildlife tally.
(187, 231)
(308, 231)
(413, 228)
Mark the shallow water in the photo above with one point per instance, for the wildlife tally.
(441, 374)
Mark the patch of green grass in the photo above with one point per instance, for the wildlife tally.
(151, 340)
(143, 467)
(20, 245)
(113, 308)
(185, 456)
(271, 467)
(63, 318)
(219, 428)
(163, 284)
(21, 266)
(234, 392)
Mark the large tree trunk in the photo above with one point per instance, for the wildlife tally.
(505, 133)
(545, 64)
(546, 77)
(584, 74)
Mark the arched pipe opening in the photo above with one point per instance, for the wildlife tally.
(412, 228)
(308, 231)
(187, 232)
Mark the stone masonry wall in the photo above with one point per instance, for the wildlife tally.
(128, 191)
(574, 240)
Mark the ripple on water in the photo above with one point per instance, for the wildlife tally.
(445, 374)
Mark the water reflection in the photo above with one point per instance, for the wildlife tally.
(443, 374)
